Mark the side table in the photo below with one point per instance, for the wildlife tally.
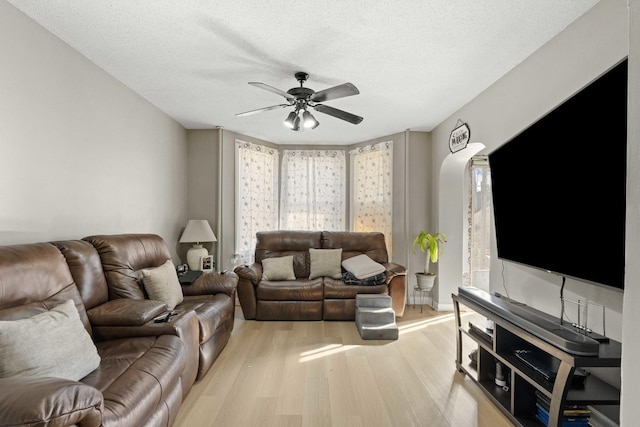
(422, 293)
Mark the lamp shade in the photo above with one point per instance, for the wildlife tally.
(196, 231)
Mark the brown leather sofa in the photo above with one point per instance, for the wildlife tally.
(146, 369)
(212, 296)
(321, 298)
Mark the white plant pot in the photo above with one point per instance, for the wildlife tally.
(425, 281)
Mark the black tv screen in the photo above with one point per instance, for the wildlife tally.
(559, 187)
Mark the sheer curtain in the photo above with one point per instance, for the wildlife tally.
(313, 190)
(256, 195)
(371, 189)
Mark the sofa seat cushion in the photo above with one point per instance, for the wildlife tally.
(212, 312)
(48, 402)
(337, 289)
(137, 376)
(298, 290)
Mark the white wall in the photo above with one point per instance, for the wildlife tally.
(202, 178)
(587, 48)
(630, 330)
(80, 153)
(582, 52)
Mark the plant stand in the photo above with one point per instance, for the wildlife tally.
(421, 293)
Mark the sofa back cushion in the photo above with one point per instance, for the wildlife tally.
(35, 278)
(282, 243)
(355, 243)
(86, 269)
(123, 258)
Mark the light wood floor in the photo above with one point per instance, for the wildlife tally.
(301, 374)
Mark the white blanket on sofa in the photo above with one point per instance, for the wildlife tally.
(362, 266)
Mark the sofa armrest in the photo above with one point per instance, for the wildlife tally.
(49, 402)
(125, 312)
(396, 276)
(249, 277)
(213, 283)
(182, 324)
(393, 270)
(250, 272)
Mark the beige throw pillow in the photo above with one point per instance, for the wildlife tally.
(50, 344)
(162, 284)
(325, 263)
(279, 268)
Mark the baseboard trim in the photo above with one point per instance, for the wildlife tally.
(442, 307)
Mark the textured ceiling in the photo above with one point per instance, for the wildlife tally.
(415, 62)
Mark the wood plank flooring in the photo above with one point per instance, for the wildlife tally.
(308, 374)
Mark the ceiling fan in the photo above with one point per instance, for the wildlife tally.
(301, 98)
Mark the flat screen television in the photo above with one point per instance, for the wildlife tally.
(559, 187)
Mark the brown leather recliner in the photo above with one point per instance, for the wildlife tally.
(314, 299)
(211, 296)
(142, 377)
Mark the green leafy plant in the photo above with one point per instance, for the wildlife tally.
(431, 245)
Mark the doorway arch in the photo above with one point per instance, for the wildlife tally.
(452, 207)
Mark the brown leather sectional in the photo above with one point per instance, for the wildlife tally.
(321, 298)
(146, 368)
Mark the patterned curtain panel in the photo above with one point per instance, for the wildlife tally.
(313, 190)
(256, 195)
(372, 203)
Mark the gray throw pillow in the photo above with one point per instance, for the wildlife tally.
(325, 263)
(162, 284)
(50, 344)
(279, 268)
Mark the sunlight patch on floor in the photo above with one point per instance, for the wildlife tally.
(331, 349)
(327, 350)
(421, 324)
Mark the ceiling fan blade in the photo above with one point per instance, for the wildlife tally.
(274, 90)
(351, 118)
(259, 110)
(340, 91)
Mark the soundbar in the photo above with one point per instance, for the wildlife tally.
(533, 321)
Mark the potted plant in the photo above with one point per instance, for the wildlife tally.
(430, 244)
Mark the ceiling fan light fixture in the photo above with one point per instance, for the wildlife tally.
(309, 121)
(290, 120)
(301, 98)
(296, 124)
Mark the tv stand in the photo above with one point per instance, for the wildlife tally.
(539, 364)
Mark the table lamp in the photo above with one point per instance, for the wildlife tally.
(196, 231)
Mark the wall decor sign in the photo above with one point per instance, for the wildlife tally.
(459, 137)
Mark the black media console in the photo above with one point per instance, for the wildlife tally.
(534, 321)
(527, 359)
